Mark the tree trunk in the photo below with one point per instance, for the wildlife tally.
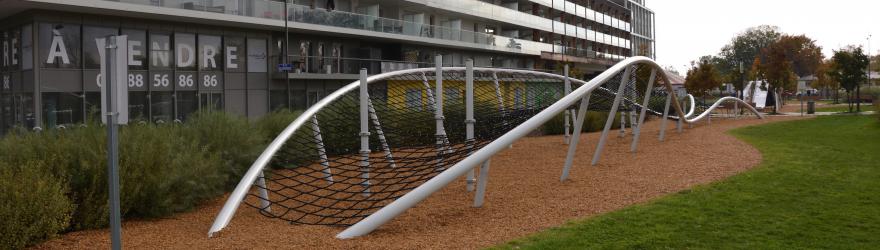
(858, 98)
(849, 101)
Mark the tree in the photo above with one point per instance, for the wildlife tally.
(745, 48)
(849, 70)
(702, 78)
(756, 72)
(824, 80)
(802, 51)
(779, 69)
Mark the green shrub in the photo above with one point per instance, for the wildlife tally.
(163, 168)
(162, 171)
(233, 137)
(272, 124)
(33, 206)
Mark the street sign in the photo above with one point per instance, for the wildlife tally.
(118, 72)
(285, 67)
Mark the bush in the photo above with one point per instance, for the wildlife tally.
(33, 206)
(163, 168)
(272, 124)
(237, 142)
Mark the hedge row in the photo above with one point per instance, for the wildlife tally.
(55, 181)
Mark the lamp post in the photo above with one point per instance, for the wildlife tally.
(867, 80)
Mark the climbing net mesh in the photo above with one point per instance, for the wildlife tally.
(320, 177)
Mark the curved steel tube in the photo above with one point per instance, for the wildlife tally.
(441, 180)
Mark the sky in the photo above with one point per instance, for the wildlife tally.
(688, 29)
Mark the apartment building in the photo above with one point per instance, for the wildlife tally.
(233, 55)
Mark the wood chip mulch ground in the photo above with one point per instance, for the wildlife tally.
(524, 196)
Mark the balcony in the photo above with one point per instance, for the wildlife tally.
(274, 10)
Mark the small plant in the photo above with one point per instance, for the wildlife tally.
(33, 206)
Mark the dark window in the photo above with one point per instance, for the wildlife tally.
(187, 104)
(161, 55)
(185, 51)
(62, 109)
(91, 54)
(236, 55)
(59, 45)
(210, 54)
(162, 106)
(137, 49)
(138, 106)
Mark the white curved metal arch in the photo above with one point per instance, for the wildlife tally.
(441, 180)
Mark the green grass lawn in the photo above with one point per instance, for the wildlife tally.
(817, 187)
(844, 108)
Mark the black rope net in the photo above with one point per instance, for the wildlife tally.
(320, 177)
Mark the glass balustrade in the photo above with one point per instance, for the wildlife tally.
(304, 14)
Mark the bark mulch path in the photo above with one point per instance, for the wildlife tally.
(524, 196)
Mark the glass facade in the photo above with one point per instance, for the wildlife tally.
(170, 74)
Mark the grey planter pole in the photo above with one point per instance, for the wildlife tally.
(110, 67)
(469, 115)
(322, 152)
(379, 133)
(365, 133)
(665, 117)
(637, 130)
(567, 133)
(578, 126)
(612, 114)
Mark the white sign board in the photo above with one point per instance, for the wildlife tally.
(118, 69)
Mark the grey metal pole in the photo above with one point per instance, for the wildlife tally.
(365, 133)
(112, 143)
(469, 115)
(665, 117)
(322, 152)
(680, 124)
(479, 197)
(572, 147)
(611, 114)
(637, 130)
(439, 133)
(263, 191)
(380, 134)
(286, 58)
(567, 134)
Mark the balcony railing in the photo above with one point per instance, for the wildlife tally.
(271, 9)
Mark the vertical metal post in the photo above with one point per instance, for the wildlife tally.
(479, 197)
(263, 190)
(612, 114)
(286, 52)
(680, 124)
(567, 135)
(110, 76)
(469, 116)
(665, 117)
(322, 152)
(637, 130)
(498, 93)
(622, 132)
(440, 132)
(365, 134)
(575, 137)
(380, 134)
